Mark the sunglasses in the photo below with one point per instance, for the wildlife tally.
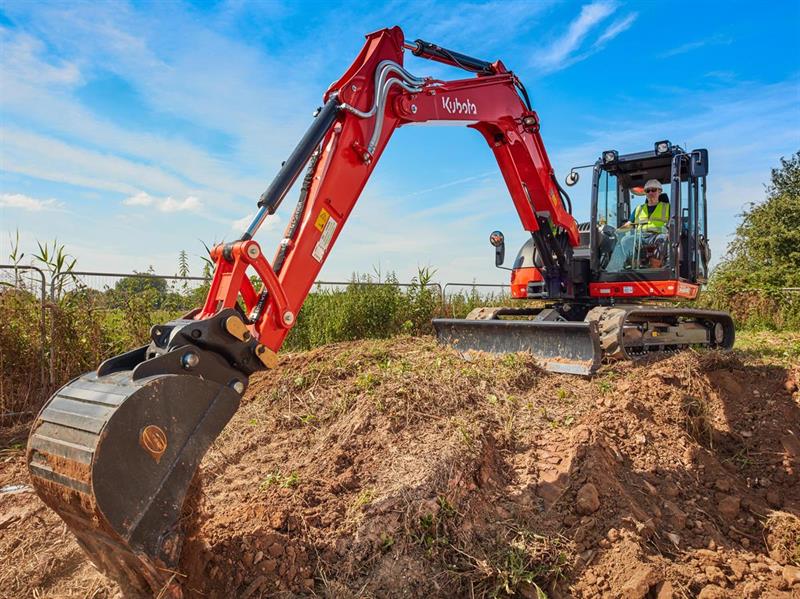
(652, 190)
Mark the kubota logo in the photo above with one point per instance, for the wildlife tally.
(455, 106)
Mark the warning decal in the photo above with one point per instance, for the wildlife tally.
(325, 240)
(322, 219)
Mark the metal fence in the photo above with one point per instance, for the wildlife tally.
(96, 297)
(341, 285)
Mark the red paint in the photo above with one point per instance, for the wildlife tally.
(520, 278)
(489, 104)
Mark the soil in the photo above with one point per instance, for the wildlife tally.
(397, 469)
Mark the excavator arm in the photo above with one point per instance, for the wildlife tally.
(113, 452)
(362, 110)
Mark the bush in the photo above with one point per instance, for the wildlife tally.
(365, 310)
(764, 258)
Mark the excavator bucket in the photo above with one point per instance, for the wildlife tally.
(568, 347)
(114, 451)
(114, 457)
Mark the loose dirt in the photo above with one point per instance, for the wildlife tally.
(396, 469)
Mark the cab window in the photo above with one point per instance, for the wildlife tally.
(607, 199)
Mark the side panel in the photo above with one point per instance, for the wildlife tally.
(520, 277)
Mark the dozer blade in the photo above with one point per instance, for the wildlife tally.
(114, 457)
(569, 347)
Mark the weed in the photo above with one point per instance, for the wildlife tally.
(308, 419)
(366, 381)
(446, 508)
(342, 405)
(605, 386)
(697, 420)
(464, 432)
(386, 542)
(432, 528)
(783, 537)
(511, 360)
(532, 561)
(741, 459)
(364, 498)
(291, 481)
(253, 422)
(562, 393)
(278, 478)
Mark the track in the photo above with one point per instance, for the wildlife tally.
(631, 332)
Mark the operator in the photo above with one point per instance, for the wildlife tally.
(650, 220)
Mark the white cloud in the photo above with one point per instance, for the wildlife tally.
(689, 46)
(270, 223)
(167, 204)
(559, 53)
(140, 199)
(23, 202)
(22, 58)
(616, 28)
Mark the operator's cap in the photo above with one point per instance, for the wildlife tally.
(653, 183)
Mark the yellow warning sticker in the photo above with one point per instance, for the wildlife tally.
(322, 219)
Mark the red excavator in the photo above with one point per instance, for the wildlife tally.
(113, 452)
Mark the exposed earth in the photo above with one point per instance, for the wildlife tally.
(397, 469)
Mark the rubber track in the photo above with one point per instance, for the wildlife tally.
(612, 322)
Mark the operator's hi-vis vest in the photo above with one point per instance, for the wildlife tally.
(656, 221)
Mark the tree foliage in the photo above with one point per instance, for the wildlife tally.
(764, 258)
(765, 252)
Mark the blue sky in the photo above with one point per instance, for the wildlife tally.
(130, 131)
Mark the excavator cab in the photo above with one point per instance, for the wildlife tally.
(677, 251)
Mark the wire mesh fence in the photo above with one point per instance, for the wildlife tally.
(96, 315)
(57, 327)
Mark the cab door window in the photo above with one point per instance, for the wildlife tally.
(607, 199)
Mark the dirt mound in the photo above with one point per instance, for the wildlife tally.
(396, 469)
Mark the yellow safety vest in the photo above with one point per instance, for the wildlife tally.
(656, 221)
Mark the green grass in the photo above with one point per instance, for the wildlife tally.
(280, 479)
(776, 347)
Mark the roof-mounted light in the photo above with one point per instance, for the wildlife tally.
(610, 157)
(663, 147)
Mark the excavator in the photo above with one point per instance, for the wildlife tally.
(114, 451)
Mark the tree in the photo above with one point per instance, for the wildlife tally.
(151, 289)
(765, 252)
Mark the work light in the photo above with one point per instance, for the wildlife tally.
(663, 147)
(610, 156)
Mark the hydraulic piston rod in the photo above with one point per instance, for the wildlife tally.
(456, 59)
